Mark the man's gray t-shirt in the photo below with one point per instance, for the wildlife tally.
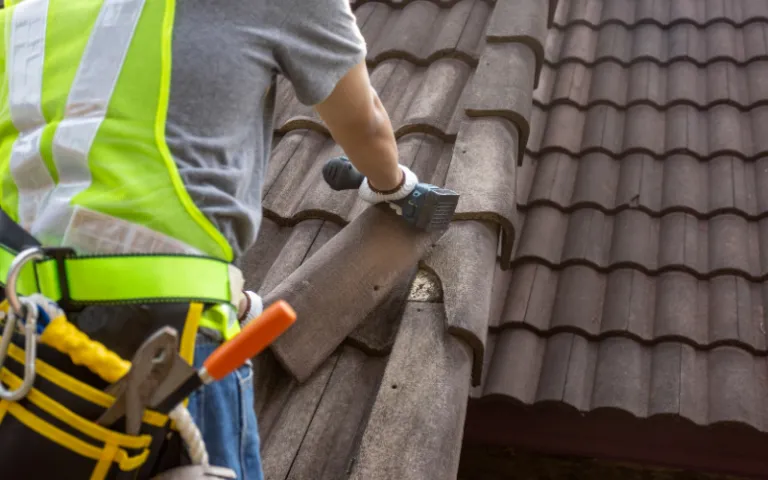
(226, 56)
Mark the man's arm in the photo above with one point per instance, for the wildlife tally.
(359, 123)
(322, 52)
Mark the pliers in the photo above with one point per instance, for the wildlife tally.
(150, 367)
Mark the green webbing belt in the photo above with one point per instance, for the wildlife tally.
(123, 278)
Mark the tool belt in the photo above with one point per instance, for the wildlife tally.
(52, 431)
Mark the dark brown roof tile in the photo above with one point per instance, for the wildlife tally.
(631, 12)
(467, 281)
(464, 28)
(618, 373)
(312, 432)
(720, 130)
(483, 170)
(646, 82)
(296, 185)
(435, 99)
(501, 87)
(725, 310)
(261, 259)
(417, 98)
(376, 241)
(425, 89)
(421, 403)
(332, 435)
(523, 22)
(722, 244)
(409, 32)
(618, 43)
(421, 30)
(326, 405)
(638, 282)
(377, 332)
(594, 180)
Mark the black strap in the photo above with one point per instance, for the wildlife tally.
(13, 236)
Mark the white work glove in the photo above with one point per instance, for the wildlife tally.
(255, 307)
(372, 196)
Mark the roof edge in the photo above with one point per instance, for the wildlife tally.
(603, 434)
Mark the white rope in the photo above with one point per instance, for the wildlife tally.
(190, 434)
(48, 306)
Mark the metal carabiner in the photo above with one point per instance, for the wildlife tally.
(20, 308)
(14, 271)
(30, 351)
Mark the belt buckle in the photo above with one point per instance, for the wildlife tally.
(59, 255)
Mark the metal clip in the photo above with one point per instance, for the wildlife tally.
(20, 308)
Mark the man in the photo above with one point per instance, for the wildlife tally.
(81, 161)
(220, 124)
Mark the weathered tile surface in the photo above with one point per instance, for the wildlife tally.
(638, 278)
(373, 380)
(608, 252)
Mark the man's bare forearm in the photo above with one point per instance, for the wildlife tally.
(359, 123)
(373, 150)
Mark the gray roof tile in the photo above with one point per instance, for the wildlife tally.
(457, 78)
(722, 385)
(614, 162)
(638, 276)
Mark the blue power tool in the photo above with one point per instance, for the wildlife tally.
(427, 207)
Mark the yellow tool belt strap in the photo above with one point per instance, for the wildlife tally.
(118, 279)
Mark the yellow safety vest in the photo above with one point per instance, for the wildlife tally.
(83, 155)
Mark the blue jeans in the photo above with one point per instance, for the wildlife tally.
(225, 415)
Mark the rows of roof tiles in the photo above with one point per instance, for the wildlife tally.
(423, 30)
(337, 399)
(637, 281)
(376, 373)
(636, 12)
(662, 45)
(720, 130)
(456, 78)
(645, 82)
(417, 98)
(676, 241)
(625, 302)
(432, 89)
(721, 385)
(657, 186)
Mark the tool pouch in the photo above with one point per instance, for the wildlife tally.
(52, 432)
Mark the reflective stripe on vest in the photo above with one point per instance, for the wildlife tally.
(85, 110)
(25, 65)
(83, 156)
(99, 131)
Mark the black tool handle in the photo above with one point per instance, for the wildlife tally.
(340, 174)
(177, 396)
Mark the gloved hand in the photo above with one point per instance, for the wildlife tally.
(340, 174)
(423, 205)
(252, 308)
(407, 185)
